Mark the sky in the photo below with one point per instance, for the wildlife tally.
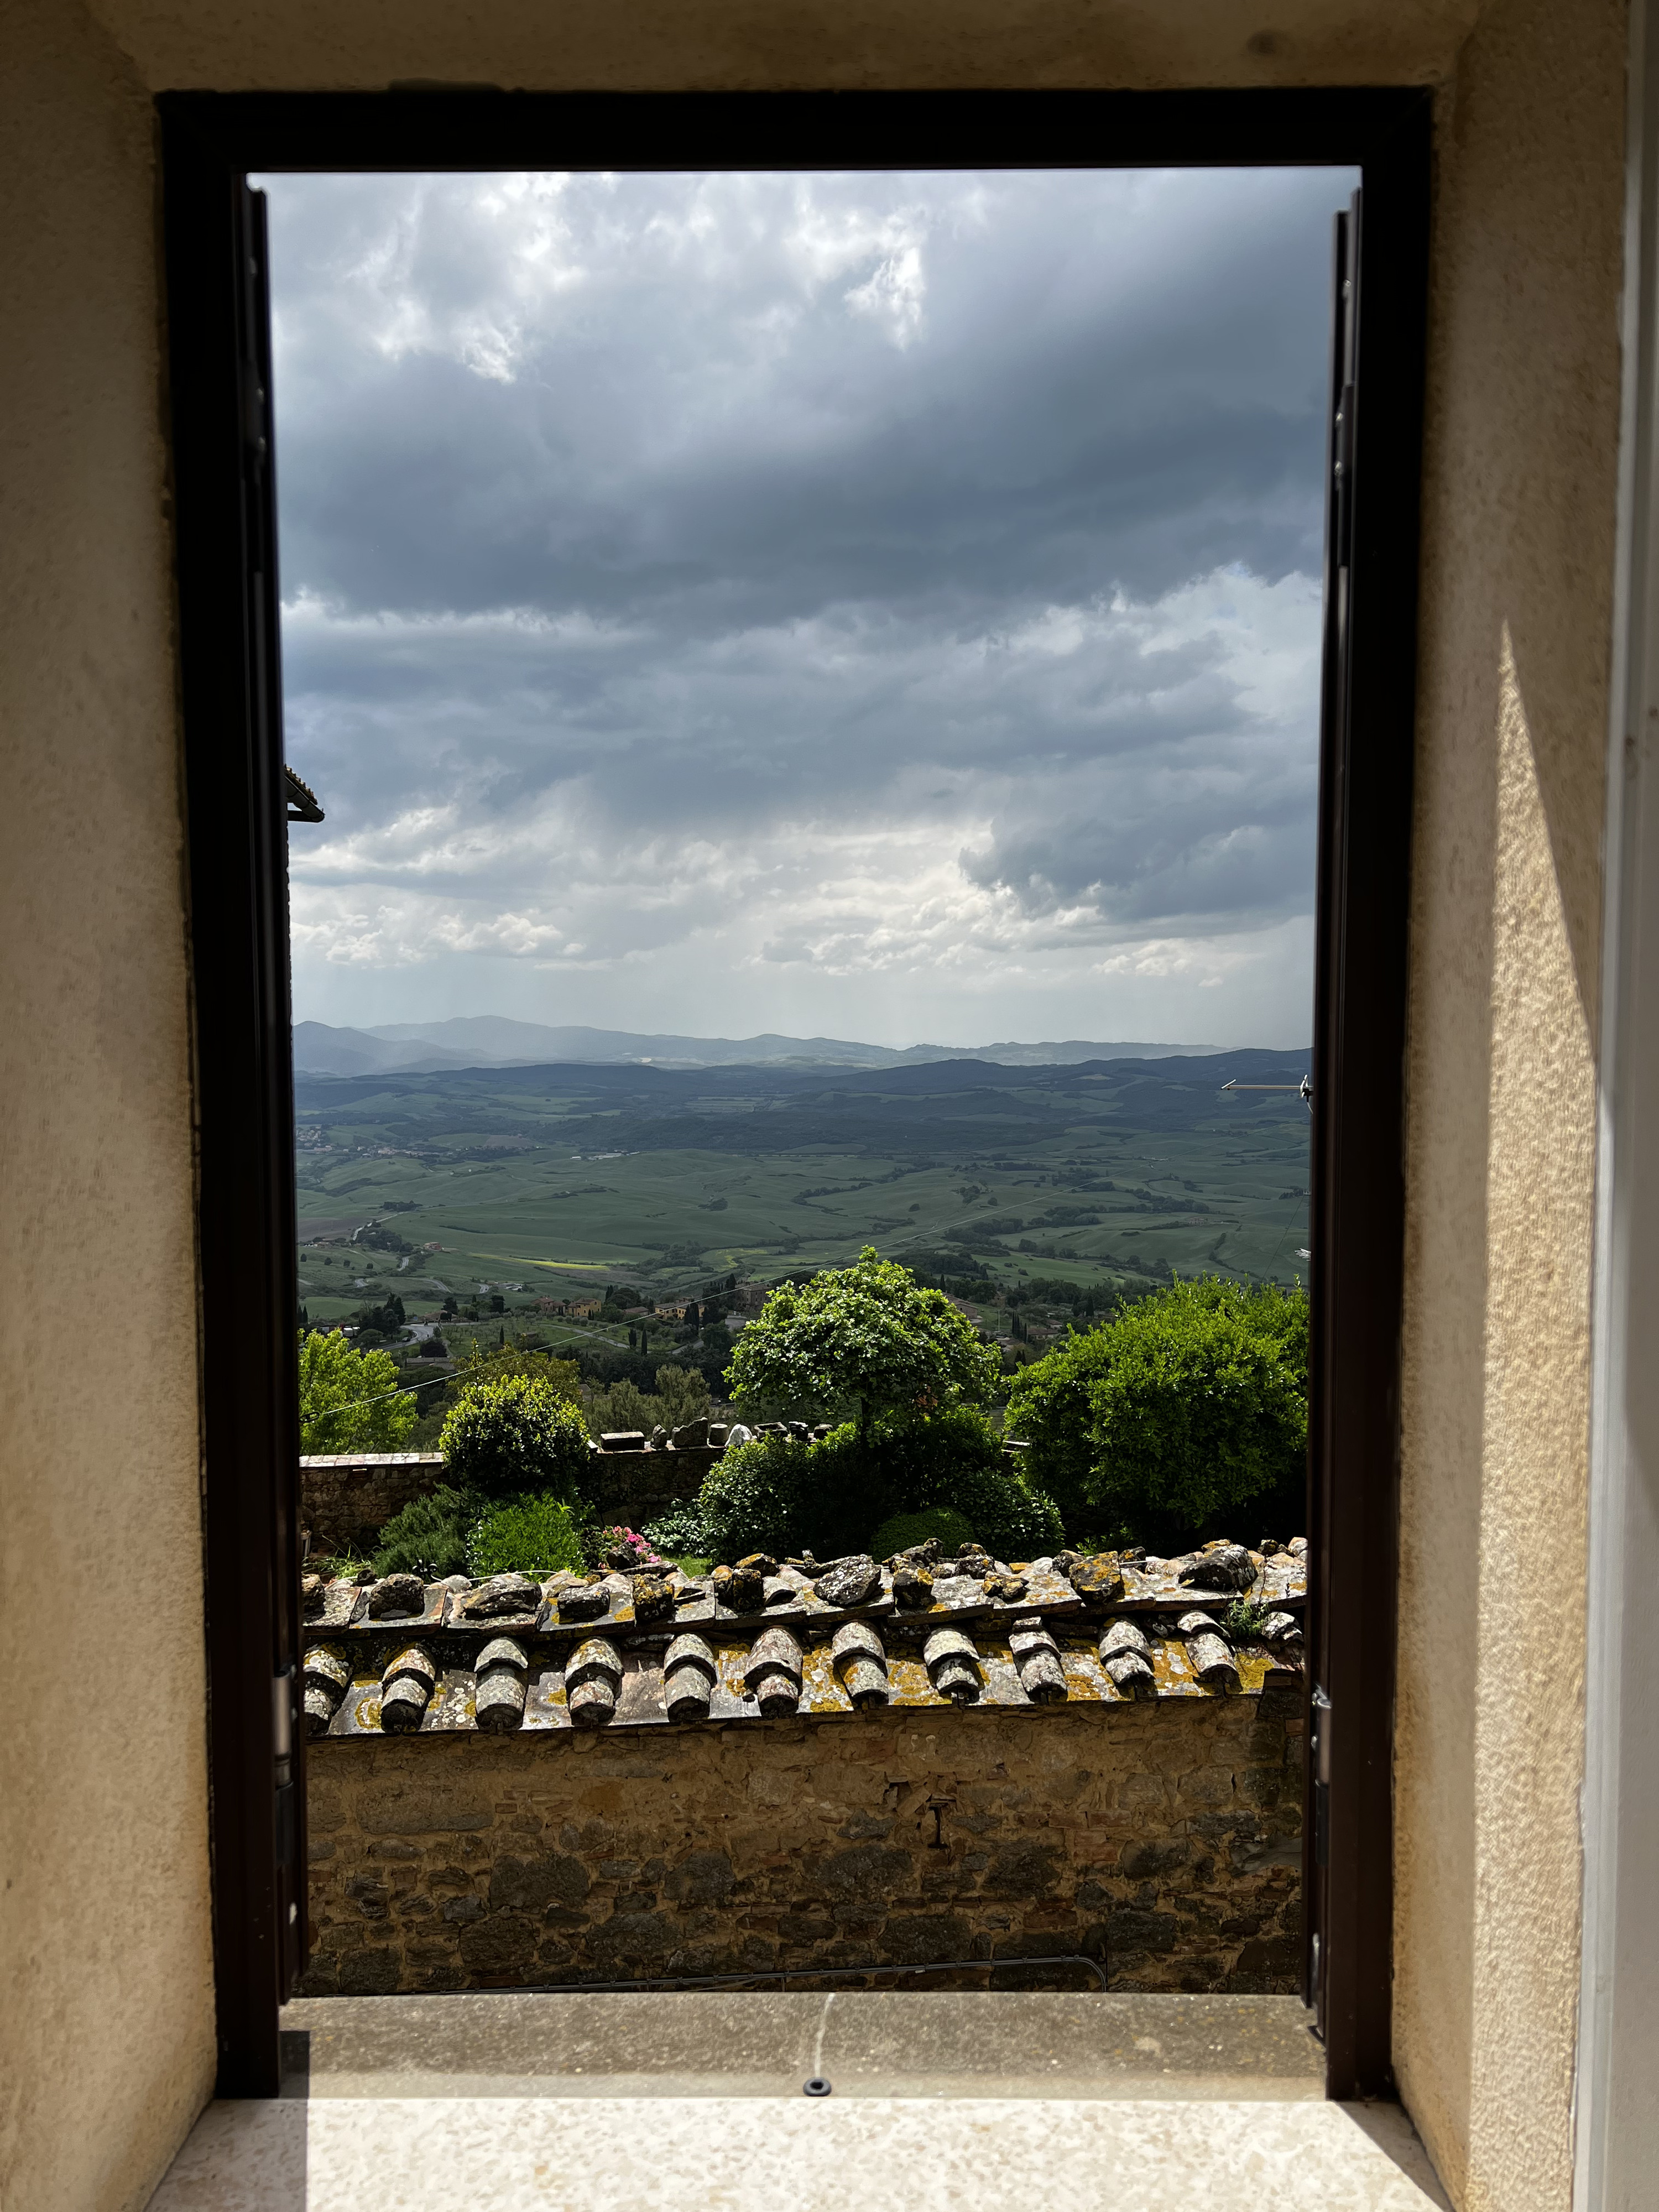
(879, 605)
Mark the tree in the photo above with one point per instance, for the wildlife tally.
(680, 1395)
(344, 1405)
(493, 1364)
(867, 1336)
(380, 1321)
(1193, 1402)
(520, 1434)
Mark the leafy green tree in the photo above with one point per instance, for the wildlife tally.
(380, 1321)
(618, 1405)
(494, 1363)
(867, 1336)
(680, 1395)
(344, 1400)
(1190, 1404)
(519, 1434)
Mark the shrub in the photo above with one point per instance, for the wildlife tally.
(1011, 1518)
(519, 1435)
(428, 1538)
(904, 1530)
(680, 1533)
(530, 1534)
(344, 1400)
(773, 1496)
(955, 1458)
(1192, 1403)
(759, 1497)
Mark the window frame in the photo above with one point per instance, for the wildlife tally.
(231, 711)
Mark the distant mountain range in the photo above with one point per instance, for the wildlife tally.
(493, 1041)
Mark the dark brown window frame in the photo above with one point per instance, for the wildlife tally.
(231, 699)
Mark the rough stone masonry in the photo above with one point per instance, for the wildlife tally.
(1117, 1775)
(1162, 1838)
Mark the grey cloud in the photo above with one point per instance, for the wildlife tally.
(609, 509)
(1101, 392)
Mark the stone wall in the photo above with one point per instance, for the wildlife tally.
(1161, 1837)
(635, 1486)
(344, 1497)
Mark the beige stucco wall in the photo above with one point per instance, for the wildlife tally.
(106, 2043)
(1517, 600)
(107, 1969)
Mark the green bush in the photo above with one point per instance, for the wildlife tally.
(428, 1537)
(679, 1534)
(955, 1458)
(1011, 1518)
(760, 1497)
(830, 1498)
(527, 1535)
(513, 1436)
(1191, 1404)
(904, 1530)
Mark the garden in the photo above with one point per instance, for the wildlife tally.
(872, 1417)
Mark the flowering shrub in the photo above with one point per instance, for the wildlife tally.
(620, 1547)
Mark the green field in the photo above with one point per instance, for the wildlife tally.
(555, 1182)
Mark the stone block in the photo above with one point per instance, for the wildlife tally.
(498, 1948)
(531, 1885)
(1030, 1868)
(1154, 1855)
(867, 1874)
(913, 1938)
(373, 1972)
(422, 1805)
(1129, 1929)
(700, 1878)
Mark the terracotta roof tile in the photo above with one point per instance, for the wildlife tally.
(506, 1656)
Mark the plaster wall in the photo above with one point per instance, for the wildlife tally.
(1520, 480)
(747, 44)
(1523, 425)
(106, 2037)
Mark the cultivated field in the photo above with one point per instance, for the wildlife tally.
(554, 1181)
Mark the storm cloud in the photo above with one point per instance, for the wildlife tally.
(881, 604)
